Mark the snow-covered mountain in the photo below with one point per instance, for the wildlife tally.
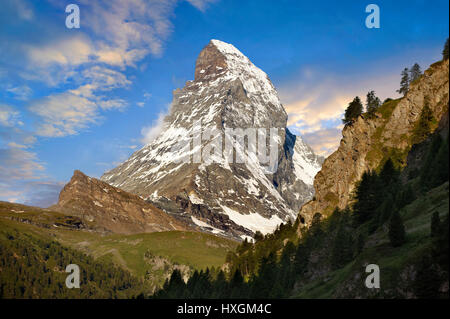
(188, 171)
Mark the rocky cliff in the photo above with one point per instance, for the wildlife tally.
(368, 142)
(111, 209)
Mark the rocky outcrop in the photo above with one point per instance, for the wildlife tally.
(236, 197)
(368, 142)
(111, 209)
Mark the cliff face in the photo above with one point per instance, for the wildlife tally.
(368, 142)
(112, 209)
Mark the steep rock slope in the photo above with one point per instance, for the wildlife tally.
(181, 172)
(367, 143)
(112, 209)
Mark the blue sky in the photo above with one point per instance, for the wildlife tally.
(87, 98)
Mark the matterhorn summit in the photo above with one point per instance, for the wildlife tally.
(224, 160)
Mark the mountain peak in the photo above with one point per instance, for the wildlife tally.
(221, 62)
(230, 197)
(226, 48)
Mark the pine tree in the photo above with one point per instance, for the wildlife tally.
(388, 173)
(435, 224)
(415, 72)
(372, 103)
(353, 110)
(301, 259)
(427, 168)
(385, 209)
(236, 284)
(439, 169)
(423, 126)
(360, 243)
(404, 82)
(445, 51)
(427, 281)
(342, 248)
(368, 196)
(258, 236)
(396, 230)
(406, 197)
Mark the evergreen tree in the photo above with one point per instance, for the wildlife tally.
(301, 259)
(439, 169)
(407, 196)
(445, 51)
(428, 167)
(360, 243)
(372, 103)
(435, 224)
(342, 248)
(427, 281)
(258, 236)
(175, 285)
(236, 285)
(423, 126)
(388, 173)
(353, 110)
(441, 245)
(415, 72)
(367, 197)
(385, 209)
(404, 82)
(396, 230)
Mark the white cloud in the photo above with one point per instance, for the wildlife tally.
(122, 34)
(201, 4)
(18, 164)
(9, 116)
(64, 114)
(149, 133)
(315, 102)
(324, 141)
(33, 193)
(24, 9)
(22, 93)
(16, 145)
(71, 51)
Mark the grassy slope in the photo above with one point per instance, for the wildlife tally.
(196, 250)
(417, 218)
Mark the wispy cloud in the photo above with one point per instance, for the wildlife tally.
(118, 34)
(316, 100)
(149, 133)
(80, 73)
(18, 164)
(9, 116)
(64, 114)
(21, 93)
(201, 4)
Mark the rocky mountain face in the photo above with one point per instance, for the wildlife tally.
(368, 142)
(190, 170)
(111, 209)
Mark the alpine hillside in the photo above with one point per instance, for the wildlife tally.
(369, 141)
